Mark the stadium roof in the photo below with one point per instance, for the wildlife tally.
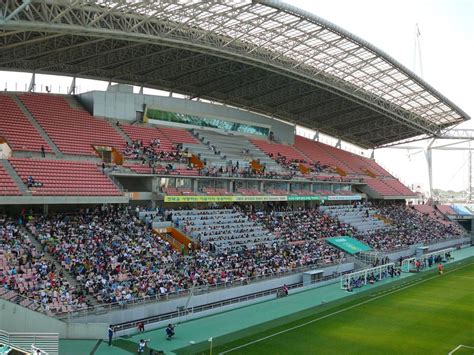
(264, 56)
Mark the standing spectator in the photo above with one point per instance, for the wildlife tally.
(111, 334)
(141, 327)
(43, 153)
(169, 331)
(141, 346)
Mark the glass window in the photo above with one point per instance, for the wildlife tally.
(156, 114)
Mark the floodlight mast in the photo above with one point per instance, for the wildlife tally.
(462, 136)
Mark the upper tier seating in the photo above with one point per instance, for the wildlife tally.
(389, 187)
(178, 135)
(146, 135)
(61, 177)
(73, 130)
(235, 149)
(381, 188)
(17, 130)
(178, 191)
(332, 156)
(274, 149)
(398, 186)
(315, 151)
(216, 191)
(277, 192)
(7, 185)
(249, 192)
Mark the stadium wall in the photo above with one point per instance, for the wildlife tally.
(432, 247)
(15, 318)
(119, 102)
(156, 308)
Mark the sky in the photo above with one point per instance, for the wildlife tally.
(447, 52)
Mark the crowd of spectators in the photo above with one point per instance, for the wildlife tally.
(247, 172)
(407, 227)
(151, 154)
(115, 257)
(301, 224)
(293, 165)
(27, 272)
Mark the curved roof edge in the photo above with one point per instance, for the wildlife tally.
(280, 5)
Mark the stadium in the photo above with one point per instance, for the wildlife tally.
(199, 220)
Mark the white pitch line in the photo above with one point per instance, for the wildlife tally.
(464, 277)
(459, 347)
(339, 311)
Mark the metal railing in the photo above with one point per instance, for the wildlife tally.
(428, 243)
(192, 310)
(47, 343)
(107, 307)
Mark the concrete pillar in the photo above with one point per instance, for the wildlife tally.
(155, 184)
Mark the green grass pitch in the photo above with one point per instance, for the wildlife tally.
(431, 315)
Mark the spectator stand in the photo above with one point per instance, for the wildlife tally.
(361, 278)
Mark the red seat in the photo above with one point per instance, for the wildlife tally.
(72, 129)
(62, 177)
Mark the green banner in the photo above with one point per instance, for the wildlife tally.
(348, 244)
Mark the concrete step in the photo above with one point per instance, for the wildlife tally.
(67, 275)
(35, 124)
(121, 132)
(15, 177)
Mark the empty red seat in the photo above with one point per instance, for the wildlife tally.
(65, 178)
(17, 130)
(72, 129)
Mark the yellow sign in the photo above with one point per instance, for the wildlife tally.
(223, 198)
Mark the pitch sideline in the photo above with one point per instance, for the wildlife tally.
(459, 347)
(339, 311)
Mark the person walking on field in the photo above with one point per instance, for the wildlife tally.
(440, 269)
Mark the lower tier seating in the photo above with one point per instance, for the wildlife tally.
(64, 178)
(222, 228)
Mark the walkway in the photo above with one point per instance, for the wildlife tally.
(200, 330)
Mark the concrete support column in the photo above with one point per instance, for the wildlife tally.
(155, 185)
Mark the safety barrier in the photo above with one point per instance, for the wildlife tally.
(47, 343)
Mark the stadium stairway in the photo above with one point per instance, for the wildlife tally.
(231, 146)
(15, 177)
(38, 127)
(121, 132)
(205, 153)
(67, 275)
